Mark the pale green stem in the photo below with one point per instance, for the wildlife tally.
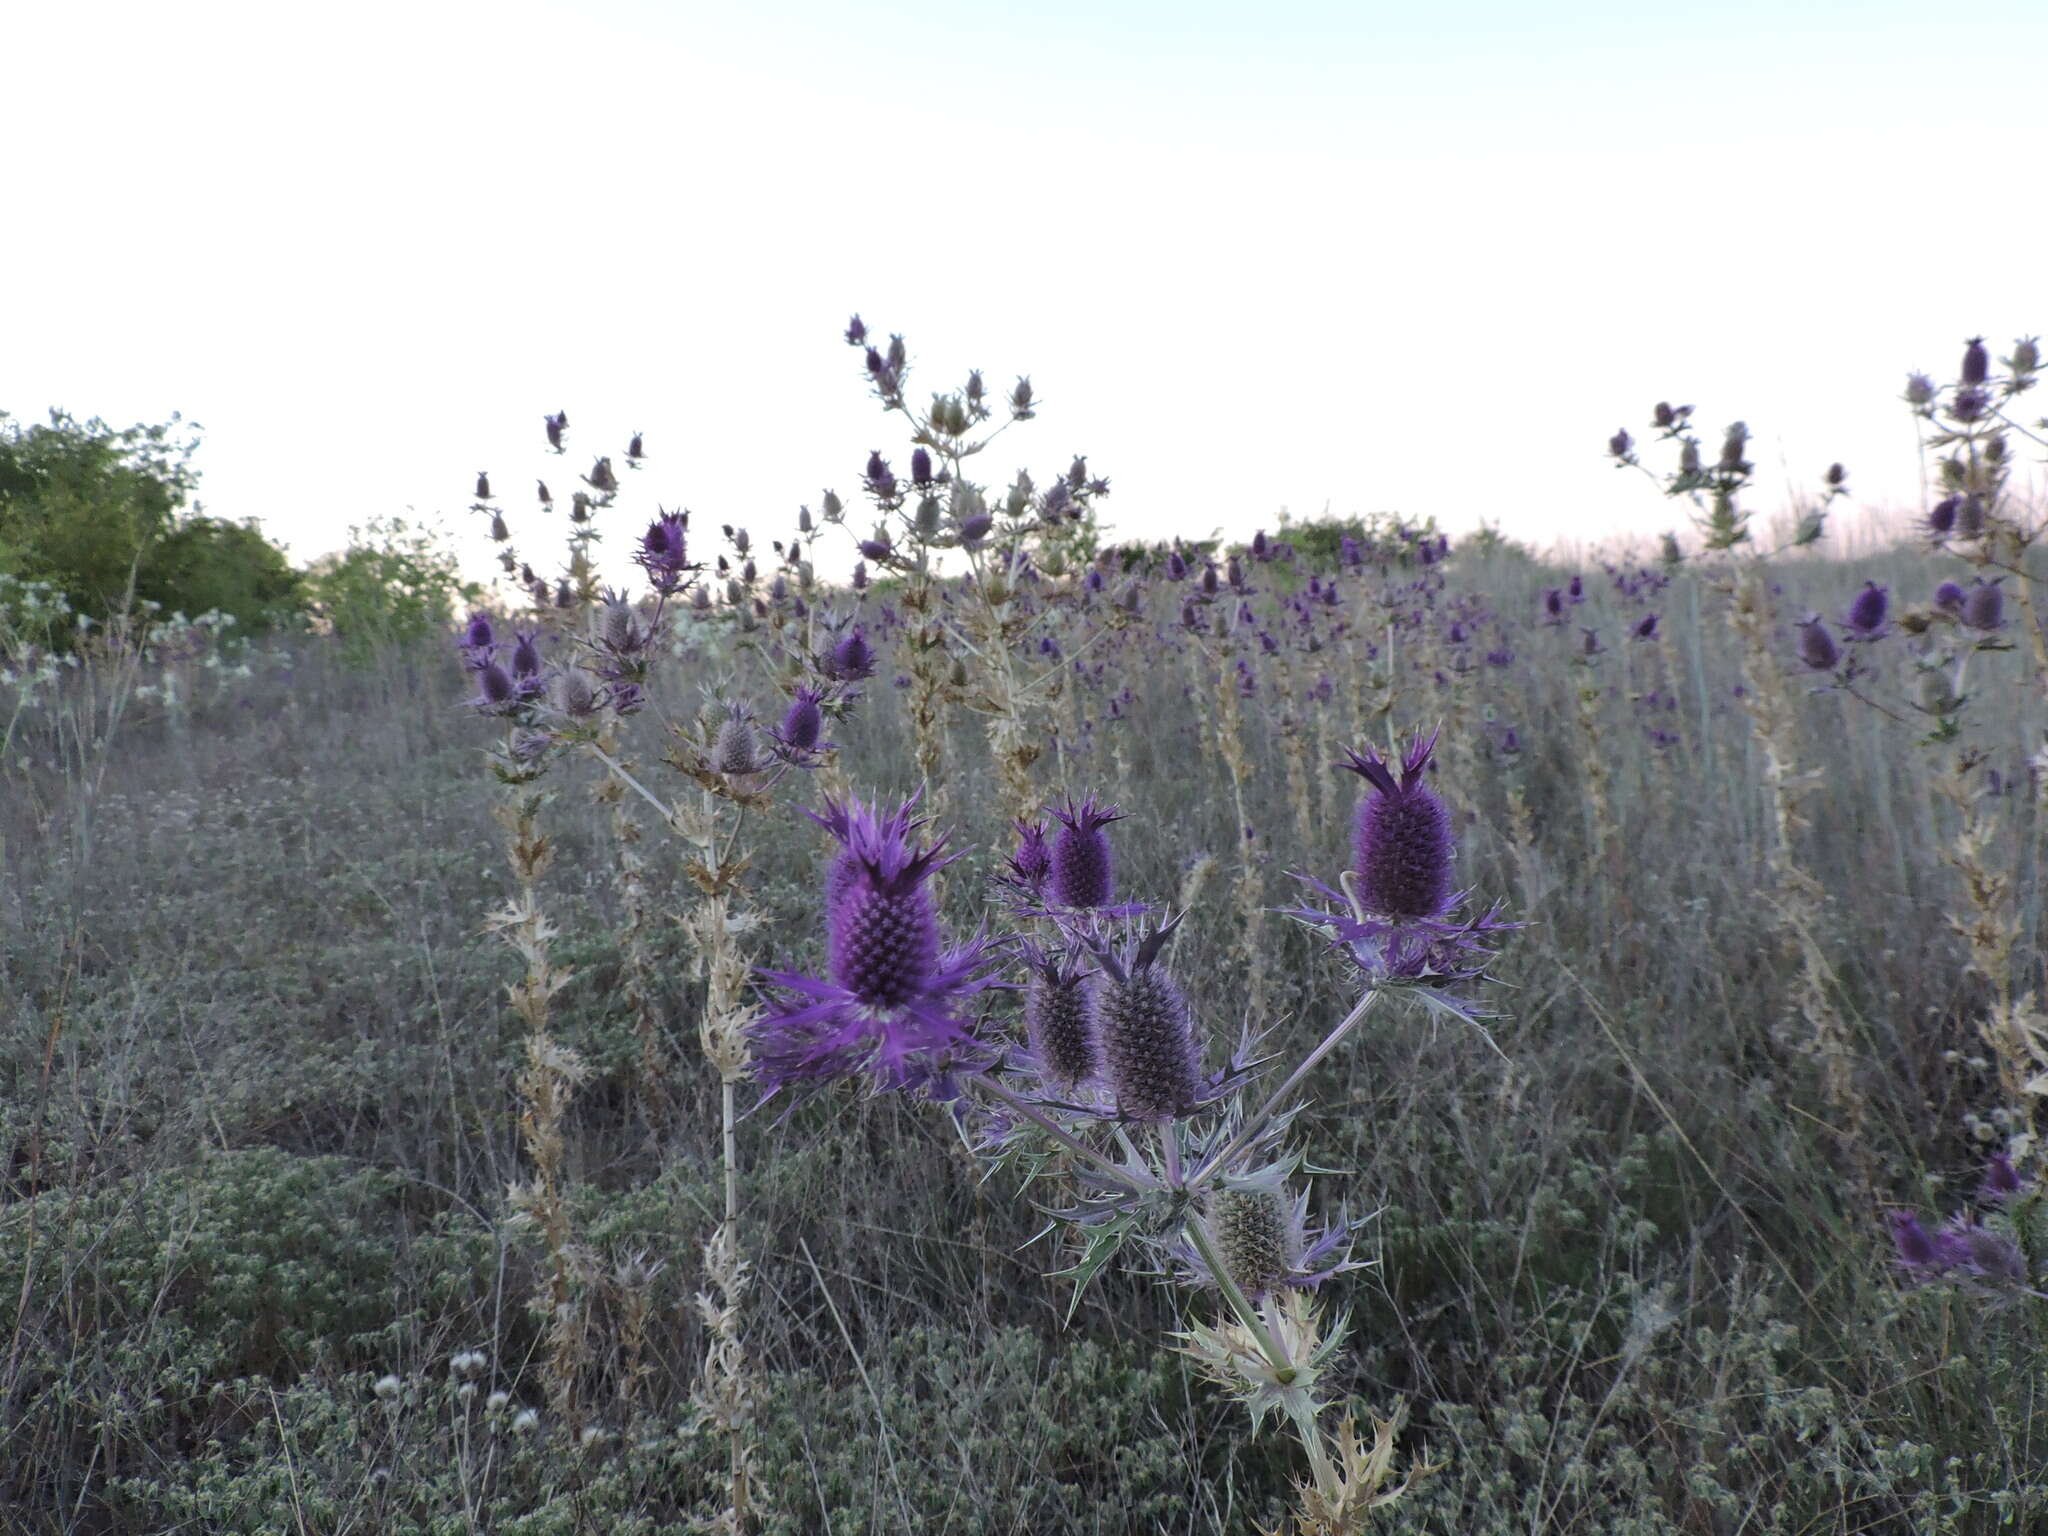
(1079, 1148)
(1257, 1123)
(1239, 1304)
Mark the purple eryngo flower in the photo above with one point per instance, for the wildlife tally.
(1984, 607)
(1817, 647)
(526, 654)
(1962, 1250)
(1083, 872)
(803, 723)
(1401, 838)
(1148, 1032)
(1645, 627)
(1553, 605)
(663, 552)
(2001, 1179)
(851, 660)
(1867, 611)
(1976, 361)
(1031, 864)
(1941, 517)
(478, 634)
(497, 693)
(1394, 919)
(1060, 1019)
(1949, 597)
(1176, 567)
(890, 1005)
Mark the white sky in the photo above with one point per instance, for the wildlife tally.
(1372, 256)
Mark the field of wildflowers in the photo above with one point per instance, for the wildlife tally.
(1346, 1032)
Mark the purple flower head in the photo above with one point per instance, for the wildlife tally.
(1060, 1018)
(1817, 647)
(497, 693)
(1971, 404)
(526, 654)
(877, 549)
(663, 552)
(1031, 864)
(1976, 361)
(803, 723)
(1645, 627)
(1176, 567)
(856, 331)
(1401, 838)
(1867, 611)
(1941, 517)
(479, 634)
(1083, 870)
(1915, 1247)
(1553, 605)
(890, 1003)
(1149, 1052)
(1950, 597)
(1621, 445)
(920, 467)
(1576, 591)
(557, 424)
(1984, 608)
(851, 660)
(2001, 1179)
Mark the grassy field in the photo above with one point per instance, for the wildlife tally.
(1629, 1268)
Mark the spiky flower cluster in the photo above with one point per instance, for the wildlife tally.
(1396, 911)
(891, 1005)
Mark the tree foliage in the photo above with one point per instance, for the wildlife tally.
(95, 511)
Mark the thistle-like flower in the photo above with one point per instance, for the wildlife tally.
(1153, 1062)
(1262, 1234)
(1083, 867)
(1396, 912)
(891, 1003)
(1060, 1019)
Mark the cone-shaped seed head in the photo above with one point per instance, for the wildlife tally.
(1083, 871)
(1817, 647)
(1059, 1020)
(1255, 1235)
(882, 932)
(734, 751)
(1148, 1036)
(1401, 842)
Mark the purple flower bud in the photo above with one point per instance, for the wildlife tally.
(882, 932)
(734, 751)
(1941, 518)
(1984, 608)
(526, 654)
(920, 467)
(1972, 404)
(1817, 647)
(1083, 870)
(1950, 597)
(483, 486)
(1920, 390)
(1867, 612)
(856, 331)
(1032, 861)
(1976, 362)
(1401, 840)
(1576, 591)
(663, 553)
(557, 425)
(1620, 445)
(495, 688)
(1148, 1036)
(1060, 1019)
(803, 722)
(2001, 1179)
(478, 634)
(1261, 549)
(974, 529)
(860, 576)
(1915, 1246)
(1646, 627)
(852, 659)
